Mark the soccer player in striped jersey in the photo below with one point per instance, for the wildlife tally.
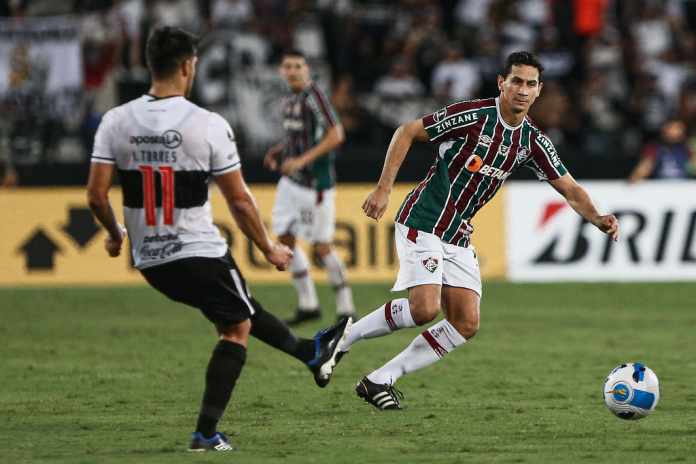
(305, 199)
(479, 144)
(165, 150)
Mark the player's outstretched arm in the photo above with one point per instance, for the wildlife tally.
(578, 198)
(376, 202)
(246, 214)
(98, 185)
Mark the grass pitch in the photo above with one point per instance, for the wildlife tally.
(115, 376)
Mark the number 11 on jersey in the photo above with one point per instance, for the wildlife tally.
(149, 194)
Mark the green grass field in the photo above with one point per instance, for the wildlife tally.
(115, 376)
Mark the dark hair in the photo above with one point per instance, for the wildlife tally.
(293, 52)
(519, 58)
(168, 47)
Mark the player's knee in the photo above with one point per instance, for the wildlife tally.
(237, 333)
(424, 311)
(322, 249)
(467, 328)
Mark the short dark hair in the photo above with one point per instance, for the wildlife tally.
(168, 47)
(293, 52)
(520, 58)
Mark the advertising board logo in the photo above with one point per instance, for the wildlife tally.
(641, 245)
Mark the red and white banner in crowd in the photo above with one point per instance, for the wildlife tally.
(548, 241)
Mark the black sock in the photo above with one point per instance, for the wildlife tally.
(271, 330)
(223, 371)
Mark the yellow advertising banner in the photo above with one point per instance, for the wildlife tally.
(51, 238)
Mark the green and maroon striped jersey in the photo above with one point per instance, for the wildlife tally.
(476, 151)
(307, 116)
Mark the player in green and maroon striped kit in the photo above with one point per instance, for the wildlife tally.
(479, 144)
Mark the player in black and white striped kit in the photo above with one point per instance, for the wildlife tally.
(165, 150)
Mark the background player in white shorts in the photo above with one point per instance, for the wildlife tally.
(479, 143)
(305, 198)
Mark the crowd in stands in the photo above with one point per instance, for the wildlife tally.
(616, 71)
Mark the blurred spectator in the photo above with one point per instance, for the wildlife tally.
(670, 158)
(601, 115)
(231, 13)
(648, 106)
(455, 78)
(399, 83)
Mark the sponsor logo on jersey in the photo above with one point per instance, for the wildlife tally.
(485, 140)
(550, 149)
(431, 264)
(496, 173)
(290, 124)
(147, 253)
(475, 164)
(455, 121)
(170, 139)
(503, 150)
(440, 115)
(160, 238)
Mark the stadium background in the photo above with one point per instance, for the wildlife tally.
(616, 71)
(614, 75)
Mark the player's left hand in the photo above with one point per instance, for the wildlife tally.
(113, 246)
(291, 166)
(609, 225)
(376, 203)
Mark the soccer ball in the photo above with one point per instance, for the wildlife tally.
(631, 391)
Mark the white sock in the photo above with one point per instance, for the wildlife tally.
(391, 316)
(337, 277)
(306, 292)
(426, 349)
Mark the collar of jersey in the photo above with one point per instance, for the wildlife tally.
(500, 117)
(154, 98)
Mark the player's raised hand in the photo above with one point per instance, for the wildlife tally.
(376, 203)
(609, 225)
(279, 255)
(113, 246)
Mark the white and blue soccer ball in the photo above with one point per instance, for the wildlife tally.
(631, 391)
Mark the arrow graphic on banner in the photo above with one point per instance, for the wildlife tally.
(39, 251)
(81, 226)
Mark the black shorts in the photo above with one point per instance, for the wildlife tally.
(213, 285)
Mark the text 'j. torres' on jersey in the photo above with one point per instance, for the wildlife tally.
(166, 150)
(477, 151)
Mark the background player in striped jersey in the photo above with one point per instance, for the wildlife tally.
(165, 150)
(478, 144)
(305, 199)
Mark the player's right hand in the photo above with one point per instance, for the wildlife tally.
(376, 203)
(113, 246)
(279, 255)
(270, 161)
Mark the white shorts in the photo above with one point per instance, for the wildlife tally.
(304, 212)
(431, 261)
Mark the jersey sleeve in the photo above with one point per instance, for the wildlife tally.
(224, 156)
(544, 160)
(321, 107)
(102, 151)
(452, 121)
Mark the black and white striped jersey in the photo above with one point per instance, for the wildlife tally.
(166, 150)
